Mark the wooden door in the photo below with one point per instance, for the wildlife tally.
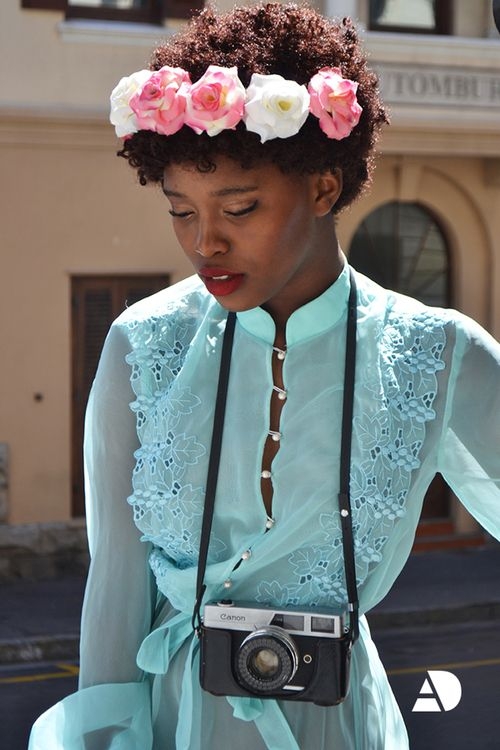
(95, 302)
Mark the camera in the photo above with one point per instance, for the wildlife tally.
(275, 653)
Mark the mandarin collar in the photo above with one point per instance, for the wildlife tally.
(307, 321)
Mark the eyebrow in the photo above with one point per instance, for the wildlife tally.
(237, 190)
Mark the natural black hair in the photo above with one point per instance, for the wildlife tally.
(289, 40)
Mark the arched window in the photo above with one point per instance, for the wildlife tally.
(402, 247)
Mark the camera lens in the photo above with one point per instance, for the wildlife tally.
(264, 663)
(266, 660)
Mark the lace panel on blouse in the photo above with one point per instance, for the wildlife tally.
(386, 453)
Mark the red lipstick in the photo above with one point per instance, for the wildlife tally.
(220, 281)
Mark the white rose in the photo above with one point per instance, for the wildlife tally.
(121, 115)
(275, 107)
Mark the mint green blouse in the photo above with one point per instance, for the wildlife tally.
(427, 398)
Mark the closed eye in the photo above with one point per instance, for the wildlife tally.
(180, 214)
(243, 211)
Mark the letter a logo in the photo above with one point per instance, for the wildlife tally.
(441, 691)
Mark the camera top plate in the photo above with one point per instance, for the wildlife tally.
(316, 622)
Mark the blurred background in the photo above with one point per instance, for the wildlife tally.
(80, 238)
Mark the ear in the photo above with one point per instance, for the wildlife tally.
(327, 187)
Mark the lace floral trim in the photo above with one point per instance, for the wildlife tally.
(387, 452)
(163, 501)
(399, 388)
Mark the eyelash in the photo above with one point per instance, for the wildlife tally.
(242, 212)
(180, 215)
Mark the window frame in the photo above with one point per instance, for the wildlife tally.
(120, 289)
(154, 15)
(443, 25)
(394, 220)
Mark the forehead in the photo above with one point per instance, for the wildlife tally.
(228, 178)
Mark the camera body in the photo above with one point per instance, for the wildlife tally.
(275, 653)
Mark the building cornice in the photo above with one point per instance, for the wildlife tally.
(412, 131)
(461, 52)
(55, 127)
(416, 140)
(115, 33)
(443, 93)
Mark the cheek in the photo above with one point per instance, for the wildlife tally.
(293, 234)
(183, 238)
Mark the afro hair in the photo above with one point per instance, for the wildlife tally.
(273, 38)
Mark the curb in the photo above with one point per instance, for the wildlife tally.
(42, 648)
(37, 551)
(66, 647)
(385, 620)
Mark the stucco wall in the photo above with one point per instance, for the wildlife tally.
(70, 206)
(459, 193)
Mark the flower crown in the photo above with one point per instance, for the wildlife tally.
(164, 100)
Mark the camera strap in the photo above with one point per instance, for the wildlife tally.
(345, 463)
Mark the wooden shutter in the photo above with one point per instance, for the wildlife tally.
(96, 302)
(44, 4)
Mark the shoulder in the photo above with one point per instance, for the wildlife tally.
(174, 312)
(405, 330)
(406, 313)
(156, 334)
(184, 299)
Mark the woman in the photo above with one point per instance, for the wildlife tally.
(260, 126)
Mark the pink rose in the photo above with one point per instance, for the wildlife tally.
(161, 102)
(121, 115)
(333, 101)
(216, 102)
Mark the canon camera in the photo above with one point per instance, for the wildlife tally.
(275, 653)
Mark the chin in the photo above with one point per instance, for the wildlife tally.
(234, 305)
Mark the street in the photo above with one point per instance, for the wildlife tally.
(26, 691)
(471, 652)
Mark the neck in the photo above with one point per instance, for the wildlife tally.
(309, 288)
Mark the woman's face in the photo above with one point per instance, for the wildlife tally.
(256, 237)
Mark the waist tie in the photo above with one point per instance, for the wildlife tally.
(154, 656)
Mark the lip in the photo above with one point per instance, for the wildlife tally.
(220, 281)
(210, 272)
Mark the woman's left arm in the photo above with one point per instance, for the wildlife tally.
(112, 709)
(121, 594)
(469, 456)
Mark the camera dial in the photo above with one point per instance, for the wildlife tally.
(266, 660)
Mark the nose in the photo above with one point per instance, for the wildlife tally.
(210, 241)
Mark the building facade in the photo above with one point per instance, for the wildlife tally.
(80, 237)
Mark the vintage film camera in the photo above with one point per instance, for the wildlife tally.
(275, 653)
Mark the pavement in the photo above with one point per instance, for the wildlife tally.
(40, 620)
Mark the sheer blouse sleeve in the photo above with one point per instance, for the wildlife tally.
(469, 456)
(120, 594)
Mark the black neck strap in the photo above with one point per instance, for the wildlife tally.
(345, 463)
